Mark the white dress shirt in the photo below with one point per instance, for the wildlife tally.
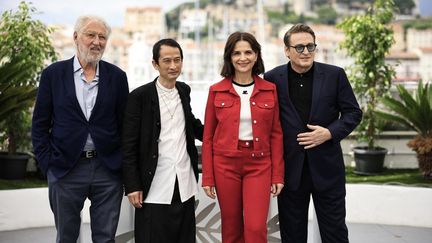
(173, 158)
(86, 93)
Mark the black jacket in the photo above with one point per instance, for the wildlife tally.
(335, 107)
(141, 130)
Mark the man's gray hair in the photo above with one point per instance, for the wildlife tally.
(83, 20)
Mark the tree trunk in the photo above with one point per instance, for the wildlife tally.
(425, 164)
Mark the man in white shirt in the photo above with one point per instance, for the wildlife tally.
(160, 165)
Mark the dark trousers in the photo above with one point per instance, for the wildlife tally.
(163, 223)
(88, 179)
(329, 207)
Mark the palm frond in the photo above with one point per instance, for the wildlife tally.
(395, 118)
(413, 110)
(15, 95)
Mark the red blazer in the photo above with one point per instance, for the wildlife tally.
(221, 126)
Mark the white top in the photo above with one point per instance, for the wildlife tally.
(173, 157)
(245, 126)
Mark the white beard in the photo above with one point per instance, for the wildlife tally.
(86, 56)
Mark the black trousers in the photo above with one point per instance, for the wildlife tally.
(163, 223)
(329, 206)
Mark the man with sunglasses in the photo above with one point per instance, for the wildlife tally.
(317, 110)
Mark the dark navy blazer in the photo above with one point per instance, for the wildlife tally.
(335, 107)
(59, 127)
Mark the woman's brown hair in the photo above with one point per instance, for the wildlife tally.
(228, 68)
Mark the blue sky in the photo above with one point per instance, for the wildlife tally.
(66, 11)
(426, 7)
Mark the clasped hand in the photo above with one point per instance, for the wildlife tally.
(315, 137)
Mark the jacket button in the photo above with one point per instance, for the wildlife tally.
(149, 172)
(253, 103)
(154, 156)
(262, 154)
(257, 139)
(253, 155)
(222, 104)
(255, 121)
(158, 140)
(265, 105)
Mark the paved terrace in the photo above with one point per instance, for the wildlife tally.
(375, 214)
(358, 233)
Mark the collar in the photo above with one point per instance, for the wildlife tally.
(77, 66)
(226, 84)
(160, 86)
(308, 73)
(243, 85)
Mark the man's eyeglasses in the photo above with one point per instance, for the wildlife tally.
(300, 48)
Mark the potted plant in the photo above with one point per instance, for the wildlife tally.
(24, 48)
(415, 112)
(368, 39)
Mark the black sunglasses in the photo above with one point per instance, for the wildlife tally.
(300, 48)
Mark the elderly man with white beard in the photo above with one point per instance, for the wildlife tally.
(76, 131)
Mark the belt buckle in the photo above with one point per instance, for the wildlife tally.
(89, 154)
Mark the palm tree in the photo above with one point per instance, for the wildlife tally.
(415, 112)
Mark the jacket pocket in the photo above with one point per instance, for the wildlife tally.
(223, 103)
(266, 104)
(265, 109)
(224, 109)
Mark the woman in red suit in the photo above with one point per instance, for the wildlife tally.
(242, 145)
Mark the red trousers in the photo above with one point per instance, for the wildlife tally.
(243, 190)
